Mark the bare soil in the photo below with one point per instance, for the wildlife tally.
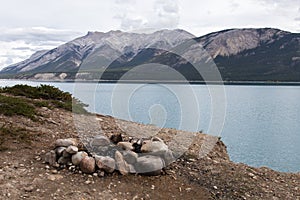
(203, 172)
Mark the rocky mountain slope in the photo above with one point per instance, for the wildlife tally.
(240, 54)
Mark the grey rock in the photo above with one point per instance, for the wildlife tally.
(131, 169)
(125, 146)
(64, 161)
(76, 158)
(168, 157)
(154, 145)
(105, 163)
(66, 154)
(66, 142)
(130, 156)
(121, 164)
(102, 150)
(51, 157)
(59, 151)
(149, 165)
(72, 149)
(99, 140)
(88, 165)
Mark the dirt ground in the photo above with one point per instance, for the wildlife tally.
(24, 175)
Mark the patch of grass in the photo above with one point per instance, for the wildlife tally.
(10, 106)
(42, 104)
(8, 132)
(49, 95)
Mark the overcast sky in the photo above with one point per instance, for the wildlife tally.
(32, 25)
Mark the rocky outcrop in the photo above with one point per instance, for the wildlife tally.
(147, 156)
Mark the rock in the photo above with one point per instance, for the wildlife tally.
(101, 174)
(29, 188)
(130, 156)
(65, 154)
(66, 142)
(116, 138)
(137, 145)
(105, 163)
(166, 155)
(51, 157)
(88, 165)
(53, 177)
(101, 150)
(125, 146)
(153, 145)
(121, 164)
(131, 169)
(76, 158)
(99, 140)
(59, 151)
(64, 161)
(72, 149)
(149, 165)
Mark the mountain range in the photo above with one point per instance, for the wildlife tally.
(264, 54)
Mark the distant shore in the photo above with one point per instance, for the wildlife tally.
(271, 83)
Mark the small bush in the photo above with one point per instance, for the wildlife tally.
(8, 132)
(51, 94)
(46, 92)
(10, 106)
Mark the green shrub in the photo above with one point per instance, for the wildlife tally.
(8, 132)
(15, 106)
(46, 92)
(50, 94)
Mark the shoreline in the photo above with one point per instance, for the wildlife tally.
(237, 83)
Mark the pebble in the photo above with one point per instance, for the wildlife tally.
(29, 188)
(101, 174)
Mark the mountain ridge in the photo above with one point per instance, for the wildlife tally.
(249, 54)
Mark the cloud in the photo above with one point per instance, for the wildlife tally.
(17, 44)
(144, 15)
(36, 34)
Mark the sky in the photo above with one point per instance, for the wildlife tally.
(33, 25)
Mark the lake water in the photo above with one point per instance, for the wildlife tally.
(261, 123)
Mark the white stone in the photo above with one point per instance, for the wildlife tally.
(72, 149)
